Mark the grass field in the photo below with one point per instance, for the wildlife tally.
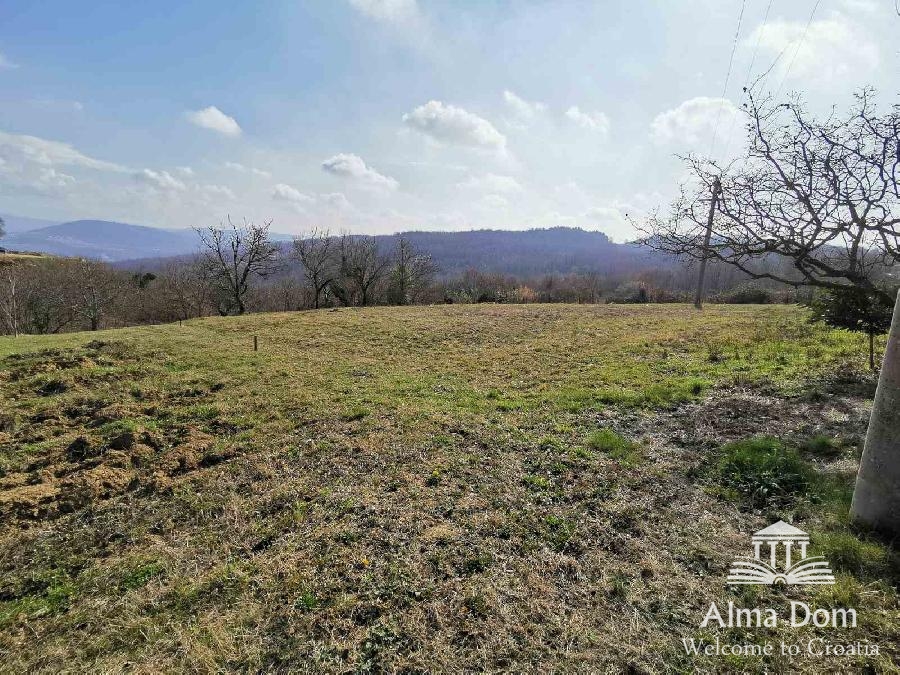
(444, 488)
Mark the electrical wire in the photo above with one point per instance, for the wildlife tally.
(737, 34)
(759, 33)
(797, 50)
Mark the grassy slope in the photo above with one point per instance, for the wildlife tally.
(384, 488)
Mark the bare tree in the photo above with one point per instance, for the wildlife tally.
(820, 194)
(318, 255)
(97, 287)
(824, 196)
(411, 274)
(184, 289)
(361, 268)
(9, 298)
(233, 256)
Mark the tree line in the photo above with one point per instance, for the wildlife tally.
(238, 268)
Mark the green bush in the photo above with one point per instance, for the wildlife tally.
(746, 294)
(764, 471)
(822, 446)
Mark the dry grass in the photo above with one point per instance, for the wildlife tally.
(447, 488)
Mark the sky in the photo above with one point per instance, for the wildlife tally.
(377, 116)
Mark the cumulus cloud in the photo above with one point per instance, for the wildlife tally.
(595, 121)
(285, 193)
(52, 179)
(834, 48)
(237, 166)
(352, 166)
(161, 180)
(455, 126)
(185, 171)
(693, 121)
(215, 120)
(523, 111)
(491, 182)
(216, 192)
(336, 200)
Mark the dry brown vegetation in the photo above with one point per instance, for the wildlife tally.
(420, 489)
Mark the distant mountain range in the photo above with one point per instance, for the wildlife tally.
(523, 253)
(14, 224)
(101, 239)
(558, 250)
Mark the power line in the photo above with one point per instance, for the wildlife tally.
(759, 33)
(737, 34)
(797, 50)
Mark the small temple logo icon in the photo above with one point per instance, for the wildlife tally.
(794, 542)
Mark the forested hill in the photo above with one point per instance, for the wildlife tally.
(526, 253)
(521, 253)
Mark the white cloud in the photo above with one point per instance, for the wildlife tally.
(449, 124)
(834, 49)
(595, 121)
(352, 166)
(336, 200)
(524, 111)
(51, 178)
(237, 166)
(286, 193)
(389, 11)
(161, 180)
(215, 120)
(6, 64)
(216, 192)
(867, 6)
(185, 171)
(22, 149)
(494, 202)
(491, 182)
(693, 121)
(611, 220)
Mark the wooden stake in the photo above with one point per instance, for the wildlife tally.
(698, 299)
(255, 344)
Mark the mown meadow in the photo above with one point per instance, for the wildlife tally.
(449, 488)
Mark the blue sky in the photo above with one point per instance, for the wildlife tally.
(383, 115)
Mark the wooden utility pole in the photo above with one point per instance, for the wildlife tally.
(698, 299)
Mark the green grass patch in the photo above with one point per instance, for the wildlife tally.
(615, 446)
(763, 472)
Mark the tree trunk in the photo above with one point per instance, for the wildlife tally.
(876, 498)
(94, 323)
(701, 276)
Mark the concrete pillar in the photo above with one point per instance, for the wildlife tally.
(876, 498)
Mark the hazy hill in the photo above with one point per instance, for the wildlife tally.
(522, 253)
(525, 253)
(103, 239)
(14, 224)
